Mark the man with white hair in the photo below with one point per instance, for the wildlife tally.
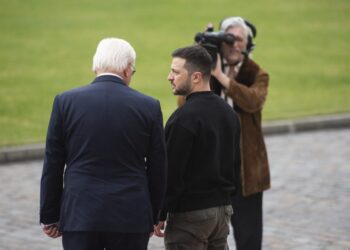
(104, 172)
(243, 84)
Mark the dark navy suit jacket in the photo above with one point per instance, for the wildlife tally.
(105, 160)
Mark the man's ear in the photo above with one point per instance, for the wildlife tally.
(125, 73)
(196, 77)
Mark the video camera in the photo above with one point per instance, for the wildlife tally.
(212, 42)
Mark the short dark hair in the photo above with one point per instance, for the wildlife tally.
(197, 59)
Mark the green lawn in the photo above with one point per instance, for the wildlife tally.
(46, 47)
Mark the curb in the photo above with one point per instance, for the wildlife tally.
(22, 153)
(337, 121)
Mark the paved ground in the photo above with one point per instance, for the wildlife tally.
(307, 207)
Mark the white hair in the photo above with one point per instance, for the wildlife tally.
(113, 54)
(233, 22)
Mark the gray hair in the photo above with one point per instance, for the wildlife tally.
(113, 54)
(233, 22)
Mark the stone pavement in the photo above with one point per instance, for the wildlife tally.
(307, 207)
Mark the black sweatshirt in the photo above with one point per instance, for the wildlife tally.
(202, 140)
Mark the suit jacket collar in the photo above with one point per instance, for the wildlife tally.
(108, 78)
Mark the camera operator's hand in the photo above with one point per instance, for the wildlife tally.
(219, 75)
(209, 28)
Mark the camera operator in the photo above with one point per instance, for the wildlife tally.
(243, 84)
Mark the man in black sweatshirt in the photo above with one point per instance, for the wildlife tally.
(203, 153)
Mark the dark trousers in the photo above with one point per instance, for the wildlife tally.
(247, 221)
(104, 240)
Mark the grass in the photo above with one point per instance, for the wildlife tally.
(46, 47)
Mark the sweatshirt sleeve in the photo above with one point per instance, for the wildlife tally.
(179, 142)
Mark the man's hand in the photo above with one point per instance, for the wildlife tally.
(52, 231)
(158, 229)
(219, 75)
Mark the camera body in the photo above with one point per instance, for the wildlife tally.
(212, 42)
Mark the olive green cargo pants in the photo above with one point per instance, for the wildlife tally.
(200, 229)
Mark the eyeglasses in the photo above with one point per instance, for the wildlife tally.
(133, 69)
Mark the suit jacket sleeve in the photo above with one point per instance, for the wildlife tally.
(156, 162)
(52, 174)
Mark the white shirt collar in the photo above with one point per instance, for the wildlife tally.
(110, 74)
